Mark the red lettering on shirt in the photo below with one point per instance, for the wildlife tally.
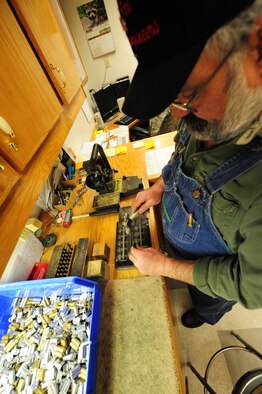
(144, 34)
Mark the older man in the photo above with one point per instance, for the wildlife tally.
(204, 59)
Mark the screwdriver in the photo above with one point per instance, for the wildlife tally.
(98, 213)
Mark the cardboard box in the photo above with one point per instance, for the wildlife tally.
(33, 224)
(101, 251)
(97, 269)
(70, 182)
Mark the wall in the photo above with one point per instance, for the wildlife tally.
(122, 62)
(80, 133)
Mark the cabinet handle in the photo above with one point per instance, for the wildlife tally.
(7, 129)
(61, 74)
(13, 146)
(2, 168)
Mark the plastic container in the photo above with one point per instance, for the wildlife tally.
(61, 287)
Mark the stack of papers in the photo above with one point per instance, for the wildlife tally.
(85, 152)
(107, 139)
(118, 136)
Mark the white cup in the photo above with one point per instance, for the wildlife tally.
(120, 102)
(99, 121)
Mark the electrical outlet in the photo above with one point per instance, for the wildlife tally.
(107, 62)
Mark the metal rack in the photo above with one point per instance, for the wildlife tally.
(247, 383)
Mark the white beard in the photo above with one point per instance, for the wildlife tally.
(243, 108)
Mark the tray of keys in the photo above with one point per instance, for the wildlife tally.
(129, 233)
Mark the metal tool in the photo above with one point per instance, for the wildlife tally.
(97, 213)
(133, 216)
(127, 221)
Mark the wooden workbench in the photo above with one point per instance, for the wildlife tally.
(103, 228)
(138, 347)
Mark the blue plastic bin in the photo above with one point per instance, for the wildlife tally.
(63, 287)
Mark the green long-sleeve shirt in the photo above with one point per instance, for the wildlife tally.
(237, 214)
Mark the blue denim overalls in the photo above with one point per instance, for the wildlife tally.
(187, 220)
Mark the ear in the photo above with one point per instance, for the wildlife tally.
(259, 40)
(255, 43)
(253, 60)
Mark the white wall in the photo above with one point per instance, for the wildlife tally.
(122, 62)
(80, 133)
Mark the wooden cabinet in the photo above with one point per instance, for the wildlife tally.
(27, 100)
(34, 122)
(44, 32)
(8, 178)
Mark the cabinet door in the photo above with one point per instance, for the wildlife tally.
(44, 32)
(27, 100)
(8, 178)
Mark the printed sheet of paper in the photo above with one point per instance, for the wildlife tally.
(25, 254)
(157, 159)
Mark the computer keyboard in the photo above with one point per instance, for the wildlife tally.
(124, 120)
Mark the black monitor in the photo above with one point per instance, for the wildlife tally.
(106, 102)
(120, 87)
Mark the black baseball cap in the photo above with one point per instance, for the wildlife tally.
(167, 38)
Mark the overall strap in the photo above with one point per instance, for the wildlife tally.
(182, 140)
(241, 162)
(184, 137)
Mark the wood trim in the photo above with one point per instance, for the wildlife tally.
(174, 337)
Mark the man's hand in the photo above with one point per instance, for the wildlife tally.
(148, 197)
(149, 261)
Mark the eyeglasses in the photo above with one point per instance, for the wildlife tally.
(187, 107)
